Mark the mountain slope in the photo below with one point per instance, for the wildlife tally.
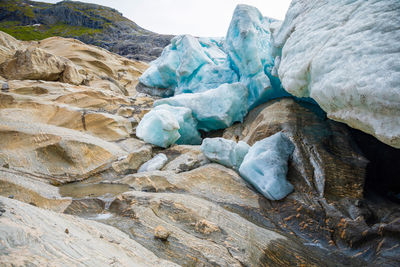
(90, 23)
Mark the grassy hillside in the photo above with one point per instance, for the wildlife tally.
(90, 23)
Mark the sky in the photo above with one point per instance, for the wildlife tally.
(196, 17)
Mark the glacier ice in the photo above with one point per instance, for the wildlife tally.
(155, 164)
(192, 65)
(347, 62)
(225, 152)
(213, 109)
(265, 166)
(189, 65)
(165, 125)
(248, 44)
(158, 127)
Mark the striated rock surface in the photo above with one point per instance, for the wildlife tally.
(102, 68)
(63, 132)
(329, 206)
(210, 234)
(33, 236)
(345, 56)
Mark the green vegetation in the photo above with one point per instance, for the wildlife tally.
(29, 32)
(18, 6)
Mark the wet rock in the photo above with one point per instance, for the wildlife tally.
(210, 234)
(327, 171)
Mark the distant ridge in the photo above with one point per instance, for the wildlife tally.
(89, 23)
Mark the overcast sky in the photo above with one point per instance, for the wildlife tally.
(197, 17)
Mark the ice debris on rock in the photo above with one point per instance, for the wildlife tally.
(159, 127)
(225, 152)
(154, 164)
(266, 164)
(179, 126)
(214, 109)
(187, 124)
(189, 65)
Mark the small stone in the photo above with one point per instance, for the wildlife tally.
(101, 236)
(161, 233)
(206, 227)
(66, 231)
(5, 87)
(11, 196)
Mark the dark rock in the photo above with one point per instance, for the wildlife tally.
(330, 206)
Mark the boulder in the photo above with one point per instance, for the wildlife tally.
(36, 64)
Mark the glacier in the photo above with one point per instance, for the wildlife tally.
(194, 65)
(345, 55)
(165, 125)
(248, 44)
(188, 65)
(214, 109)
(266, 164)
(225, 152)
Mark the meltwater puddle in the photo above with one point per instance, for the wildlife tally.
(81, 190)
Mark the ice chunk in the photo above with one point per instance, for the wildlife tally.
(187, 124)
(248, 44)
(214, 109)
(265, 166)
(347, 62)
(159, 127)
(166, 125)
(188, 65)
(225, 152)
(154, 164)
